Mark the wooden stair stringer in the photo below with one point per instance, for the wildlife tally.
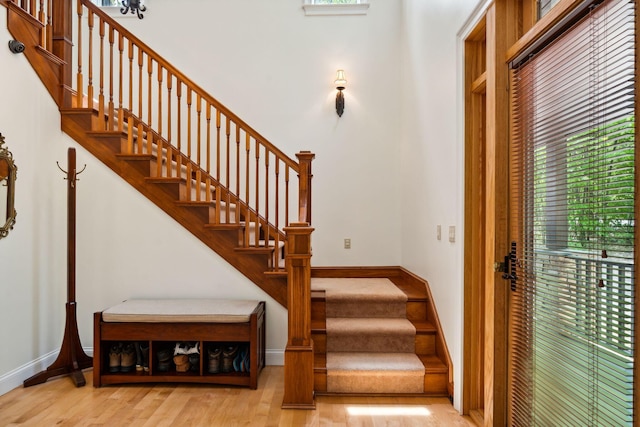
(29, 31)
(105, 146)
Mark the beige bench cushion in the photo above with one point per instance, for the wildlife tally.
(181, 310)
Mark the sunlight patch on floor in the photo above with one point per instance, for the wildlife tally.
(376, 410)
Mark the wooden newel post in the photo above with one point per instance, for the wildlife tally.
(305, 176)
(62, 35)
(298, 356)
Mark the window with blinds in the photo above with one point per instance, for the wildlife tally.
(573, 220)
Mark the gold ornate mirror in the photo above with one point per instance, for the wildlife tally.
(8, 175)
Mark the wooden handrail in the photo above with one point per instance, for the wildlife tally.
(123, 32)
(164, 112)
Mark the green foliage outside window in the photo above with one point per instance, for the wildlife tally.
(600, 187)
(588, 190)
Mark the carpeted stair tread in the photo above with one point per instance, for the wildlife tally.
(374, 373)
(366, 344)
(370, 334)
(356, 297)
(361, 361)
(353, 325)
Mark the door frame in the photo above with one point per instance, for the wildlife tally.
(485, 379)
(486, 197)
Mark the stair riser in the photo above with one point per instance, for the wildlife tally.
(374, 344)
(225, 217)
(436, 384)
(360, 309)
(193, 196)
(318, 309)
(201, 211)
(320, 382)
(374, 382)
(319, 343)
(171, 189)
(142, 166)
(416, 310)
(425, 344)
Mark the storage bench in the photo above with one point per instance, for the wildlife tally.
(159, 325)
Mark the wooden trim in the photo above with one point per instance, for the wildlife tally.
(559, 11)
(298, 355)
(529, 15)
(479, 85)
(351, 272)
(502, 31)
(475, 79)
(63, 41)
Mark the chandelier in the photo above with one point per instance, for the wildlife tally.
(135, 6)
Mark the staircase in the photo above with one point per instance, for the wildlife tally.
(376, 332)
(168, 138)
(197, 206)
(212, 173)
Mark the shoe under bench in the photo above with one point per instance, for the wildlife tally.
(163, 323)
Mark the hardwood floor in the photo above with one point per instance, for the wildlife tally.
(58, 402)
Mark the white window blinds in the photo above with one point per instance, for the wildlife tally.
(572, 311)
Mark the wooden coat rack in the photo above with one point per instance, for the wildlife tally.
(72, 358)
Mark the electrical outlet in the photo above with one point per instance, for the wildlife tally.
(347, 243)
(452, 233)
(439, 232)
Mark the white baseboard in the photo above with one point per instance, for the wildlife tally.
(274, 357)
(15, 378)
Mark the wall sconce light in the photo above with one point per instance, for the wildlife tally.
(341, 84)
(136, 6)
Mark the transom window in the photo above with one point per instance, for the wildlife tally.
(337, 1)
(544, 6)
(335, 7)
(107, 3)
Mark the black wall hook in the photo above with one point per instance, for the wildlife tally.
(15, 46)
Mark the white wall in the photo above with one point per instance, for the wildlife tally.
(274, 67)
(433, 159)
(126, 247)
(385, 174)
(32, 260)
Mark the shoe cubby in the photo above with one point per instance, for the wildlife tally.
(125, 357)
(227, 358)
(190, 352)
(176, 358)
